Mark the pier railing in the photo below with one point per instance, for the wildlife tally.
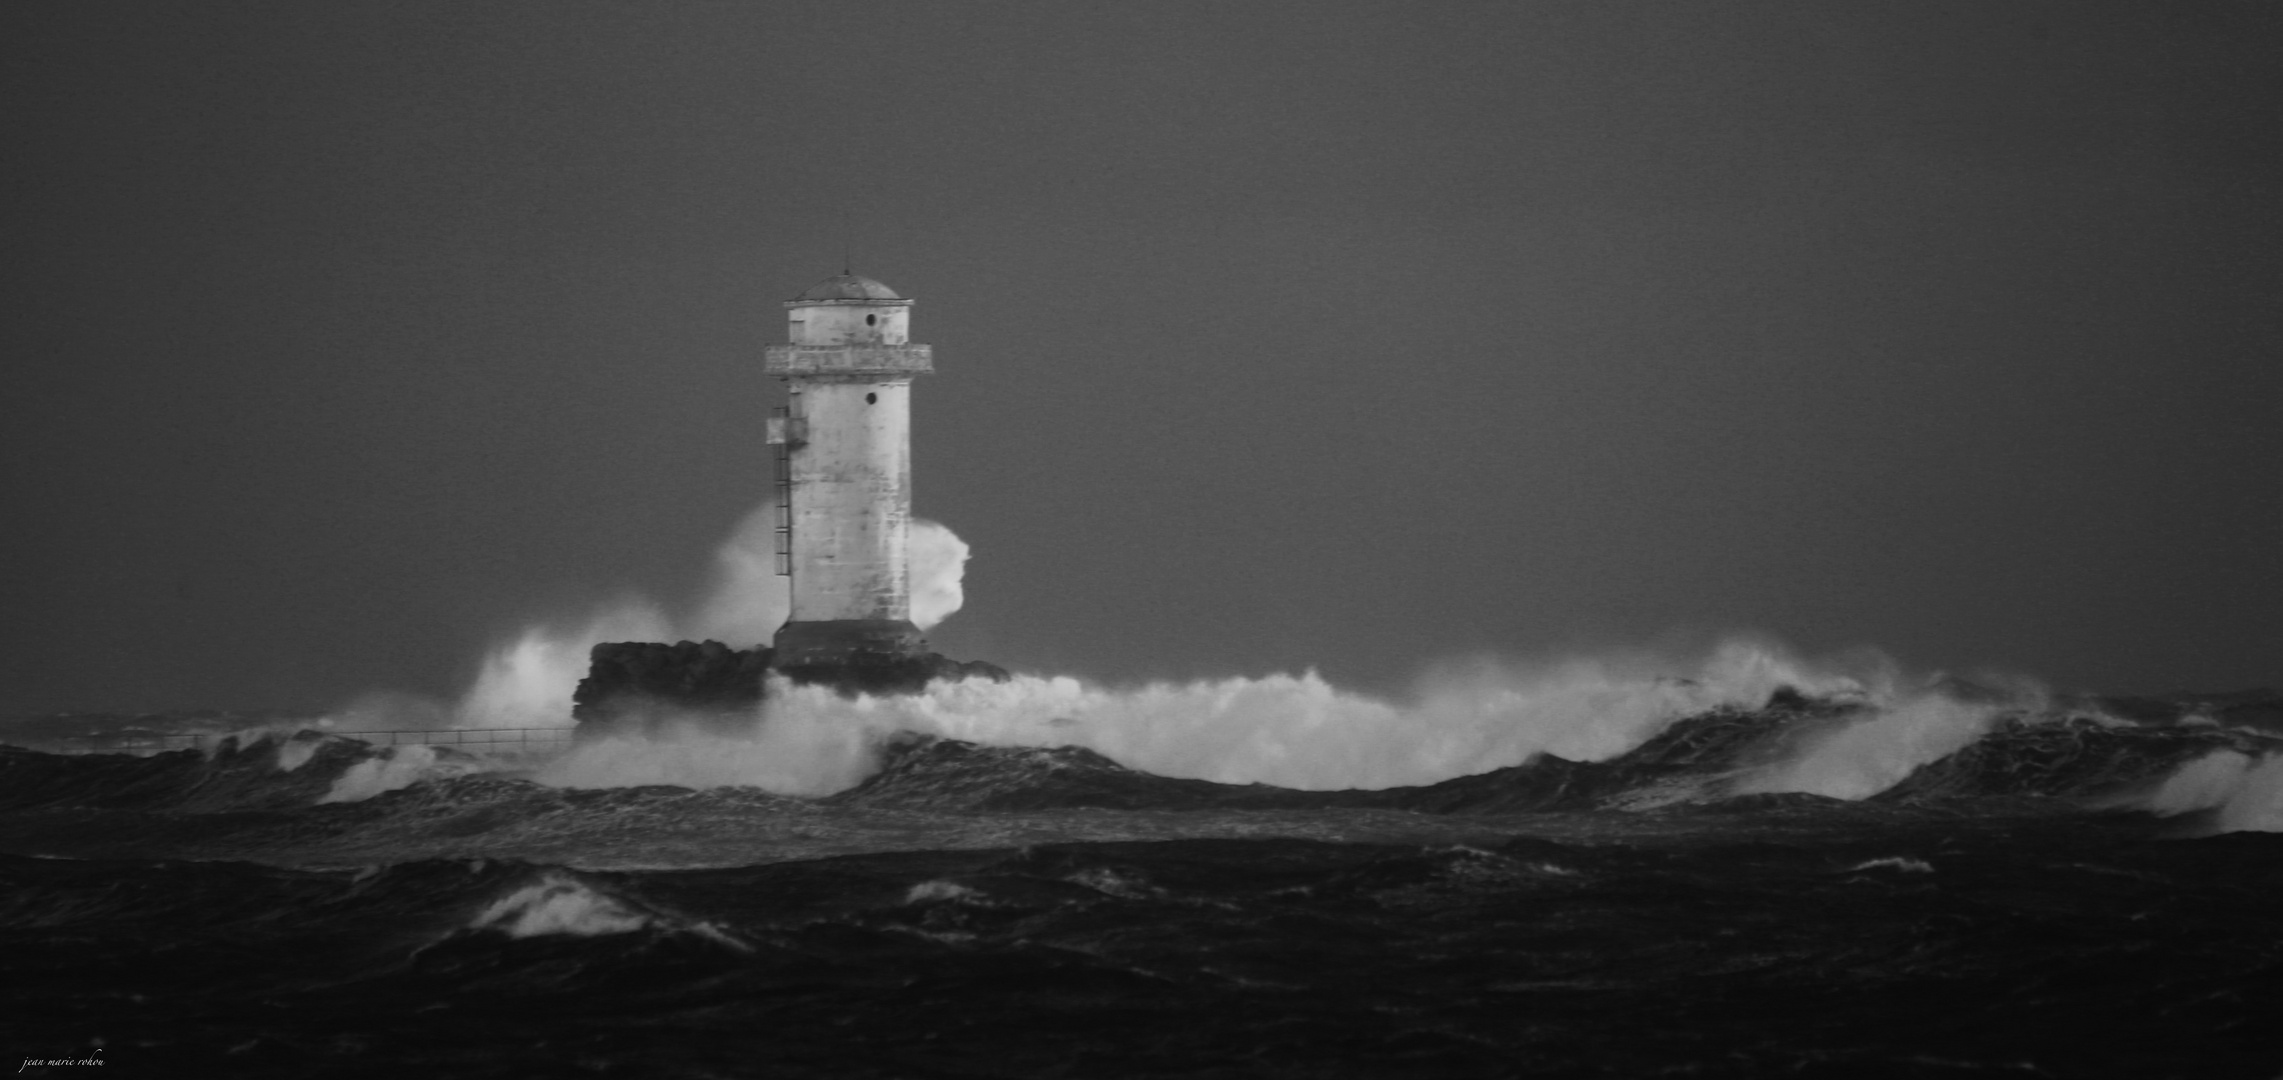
(522, 740)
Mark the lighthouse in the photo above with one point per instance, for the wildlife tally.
(843, 444)
(844, 475)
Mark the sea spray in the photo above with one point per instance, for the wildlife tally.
(528, 681)
(746, 599)
(562, 903)
(2245, 792)
(394, 768)
(1301, 732)
(938, 560)
(293, 753)
(1910, 722)
(1293, 731)
(791, 754)
(1868, 753)
(559, 904)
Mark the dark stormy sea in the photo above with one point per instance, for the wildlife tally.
(2088, 888)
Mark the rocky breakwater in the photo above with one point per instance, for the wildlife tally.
(641, 685)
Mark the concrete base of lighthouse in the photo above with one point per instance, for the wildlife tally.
(652, 688)
(847, 642)
(868, 656)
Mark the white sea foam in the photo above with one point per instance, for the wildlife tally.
(528, 681)
(790, 755)
(1875, 751)
(938, 559)
(2247, 792)
(392, 768)
(1290, 730)
(1111, 883)
(556, 904)
(294, 753)
(1895, 862)
(1298, 731)
(939, 890)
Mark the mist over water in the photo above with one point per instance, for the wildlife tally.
(1298, 731)
(788, 754)
(528, 682)
(1286, 730)
(1907, 729)
(1827, 832)
(2245, 791)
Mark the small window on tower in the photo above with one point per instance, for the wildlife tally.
(871, 320)
(871, 399)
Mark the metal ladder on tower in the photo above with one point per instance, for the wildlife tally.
(781, 436)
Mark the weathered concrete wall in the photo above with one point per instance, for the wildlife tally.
(849, 368)
(852, 501)
(850, 322)
(856, 362)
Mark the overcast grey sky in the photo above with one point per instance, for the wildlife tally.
(344, 338)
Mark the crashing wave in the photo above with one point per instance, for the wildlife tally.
(2215, 762)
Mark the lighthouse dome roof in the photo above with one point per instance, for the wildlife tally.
(846, 287)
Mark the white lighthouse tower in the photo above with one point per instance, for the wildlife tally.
(845, 474)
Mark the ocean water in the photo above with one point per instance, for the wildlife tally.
(1772, 888)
